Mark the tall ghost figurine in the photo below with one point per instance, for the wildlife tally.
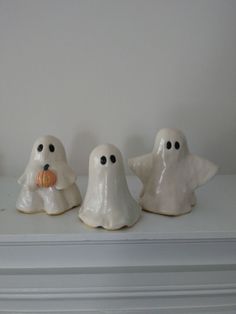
(108, 202)
(170, 174)
(48, 181)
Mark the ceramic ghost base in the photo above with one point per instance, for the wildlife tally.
(170, 174)
(49, 200)
(48, 183)
(108, 202)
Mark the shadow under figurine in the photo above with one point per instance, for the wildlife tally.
(170, 174)
(48, 181)
(108, 202)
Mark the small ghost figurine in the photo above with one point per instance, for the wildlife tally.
(170, 174)
(108, 202)
(48, 181)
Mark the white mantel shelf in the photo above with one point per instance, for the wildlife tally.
(163, 264)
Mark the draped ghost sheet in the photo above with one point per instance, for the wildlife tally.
(108, 202)
(54, 199)
(170, 174)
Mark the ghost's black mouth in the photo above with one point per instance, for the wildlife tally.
(46, 167)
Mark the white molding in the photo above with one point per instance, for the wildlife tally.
(162, 265)
(180, 310)
(118, 292)
(118, 269)
(171, 295)
(227, 309)
(10, 240)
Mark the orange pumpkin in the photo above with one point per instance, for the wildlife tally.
(46, 179)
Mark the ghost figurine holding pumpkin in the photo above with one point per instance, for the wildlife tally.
(48, 183)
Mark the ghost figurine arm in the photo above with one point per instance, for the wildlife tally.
(28, 178)
(26, 181)
(141, 166)
(200, 170)
(65, 175)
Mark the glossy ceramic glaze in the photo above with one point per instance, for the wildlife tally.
(108, 202)
(170, 174)
(48, 183)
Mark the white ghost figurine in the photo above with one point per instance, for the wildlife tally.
(108, 202)
(170, 174)
(48, 181)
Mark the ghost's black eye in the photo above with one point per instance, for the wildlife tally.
(113, 159)
(177, 145)
(51, 148)
(168, 145)
(103, 160)
(40, 147)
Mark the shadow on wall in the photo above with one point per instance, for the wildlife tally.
(223, 150)
(191, 121)
(194, 121)
(82, 145)
(135, 145)
(2, 161)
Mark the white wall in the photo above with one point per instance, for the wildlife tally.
(117, 71)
